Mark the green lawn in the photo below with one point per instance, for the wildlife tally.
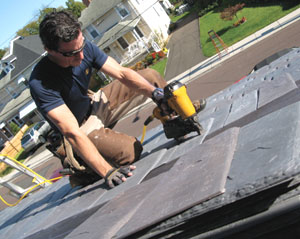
(160, 66)
(257, 18)
(176, 18)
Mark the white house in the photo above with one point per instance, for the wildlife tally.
(125, 29)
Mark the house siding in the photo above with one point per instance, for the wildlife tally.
(154, 24)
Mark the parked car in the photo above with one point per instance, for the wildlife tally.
(182, 9)
(35, 136)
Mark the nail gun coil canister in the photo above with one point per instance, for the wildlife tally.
(178, 99)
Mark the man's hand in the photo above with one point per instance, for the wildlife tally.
(116, 176)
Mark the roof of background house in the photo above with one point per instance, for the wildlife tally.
(245, 166)
(27, 50)
(5, 79)
(96, 9)
(13, 106)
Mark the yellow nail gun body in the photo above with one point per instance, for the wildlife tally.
(182, 117)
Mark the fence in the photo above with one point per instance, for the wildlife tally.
(13, 147)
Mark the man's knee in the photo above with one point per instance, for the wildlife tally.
(116, 148)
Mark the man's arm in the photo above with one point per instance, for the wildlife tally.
(63, 118)
(128, 77)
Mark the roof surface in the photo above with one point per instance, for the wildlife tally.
(245, 167)
(27, 50)
(15, 104)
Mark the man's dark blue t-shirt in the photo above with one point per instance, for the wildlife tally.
(52, 85)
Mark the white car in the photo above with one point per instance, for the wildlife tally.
(35, 135)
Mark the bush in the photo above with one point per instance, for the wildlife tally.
(172, 26)
(208, 9)
(14, 128)
(161, 54)
(175, 1)
(149, 59)
(153, 55)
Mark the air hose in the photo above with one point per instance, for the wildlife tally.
(147, 121)
(28, 191)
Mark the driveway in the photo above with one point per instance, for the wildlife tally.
(184, 47)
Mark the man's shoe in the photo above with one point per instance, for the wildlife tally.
(199, 105)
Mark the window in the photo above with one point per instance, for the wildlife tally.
(123, 43)
(6, 131)
(138, 31)
(9, 68)
(93, 31)
(122, 10)
(106, 50)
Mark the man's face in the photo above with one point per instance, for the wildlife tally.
(68, 53)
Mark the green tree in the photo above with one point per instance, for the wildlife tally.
(2, 52)
(75, 7)
(32, 28)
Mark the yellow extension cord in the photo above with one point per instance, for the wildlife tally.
(30, 189)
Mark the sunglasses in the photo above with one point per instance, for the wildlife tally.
(73, 53)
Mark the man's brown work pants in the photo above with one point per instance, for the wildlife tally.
(109, 105)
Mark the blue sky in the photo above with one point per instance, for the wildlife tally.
(15, 14)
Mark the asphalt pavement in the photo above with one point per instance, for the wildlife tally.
(184, 47)
(203, 76)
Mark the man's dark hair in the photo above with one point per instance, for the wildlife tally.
(58, 26)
